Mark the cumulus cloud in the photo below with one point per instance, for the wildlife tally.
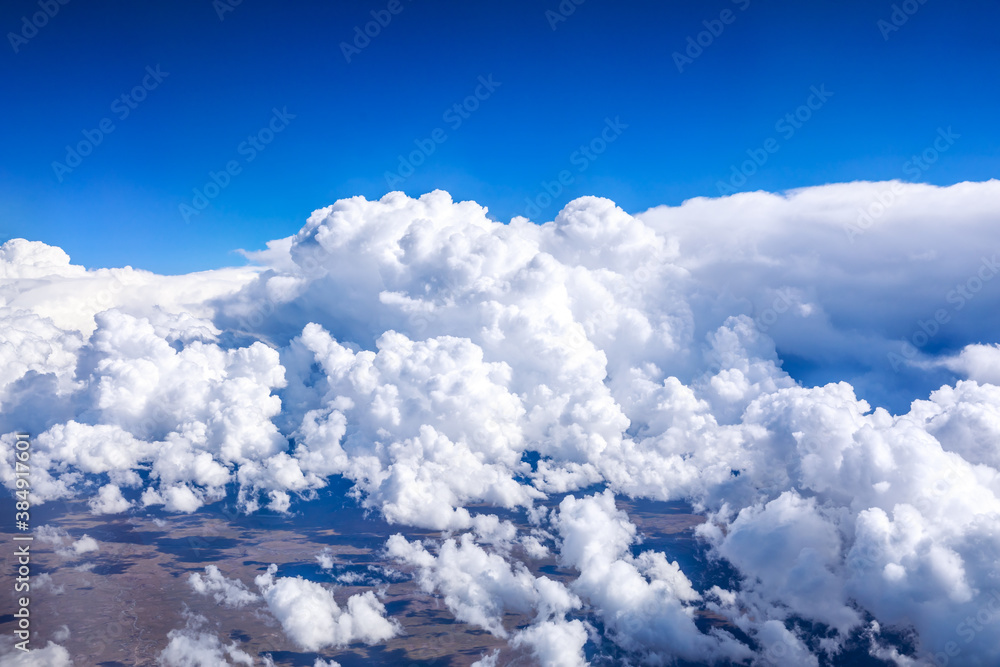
(488, 660)
(325, 663)
(65, 545)
(198, 418)
(480, 587)
(43, 581)
(193, 647)
(51, 655)
(312, 618)
(109, 500)
(822, 270)
(646, 600)
(976, 362)
(201, 649)
(83, 545)
(819, 384)
(39, 278)
(840, 506)
(226, 591)
(555, 644)
(325, 559)
(434, 398)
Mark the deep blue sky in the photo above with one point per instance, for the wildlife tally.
(685, 129)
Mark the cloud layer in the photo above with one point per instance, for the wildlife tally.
(446, 363)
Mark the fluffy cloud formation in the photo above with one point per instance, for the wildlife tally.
(481, 587)
(225, 591)
(51, 655)
(976, 362)
(109, 500)
(433, 397)
(555, 643)
(313, 620)
(645, 600)
(862, 279)
(39, 279)
(63, 544)
(197, 417)
(306, 610)
(194, 647)
(201, 649)
(442, 360)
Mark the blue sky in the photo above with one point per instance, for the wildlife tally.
(554, 90)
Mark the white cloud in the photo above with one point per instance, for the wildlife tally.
(796, 263)
(645, 600)
(43, 581)
(488, 660)
(84, 545)
(29, 342)
(313, 620)
(193, 647)
(965, 419)
(555, 643)
(481, 587)
(434, 397)
(201, 649)
(198, 417)
(976, 362)
(109, 500)
(325, 559)
(226, 591)
(59, 537)
(794, 552)
(39, 278)
(428, 353)
(51, 655)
